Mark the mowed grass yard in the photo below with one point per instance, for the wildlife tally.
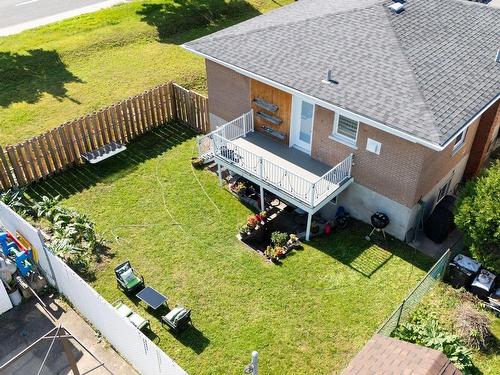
(177, 227)
(58, 72)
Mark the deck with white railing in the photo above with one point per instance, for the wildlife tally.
(285, 171)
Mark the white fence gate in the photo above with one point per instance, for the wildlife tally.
(132, 344)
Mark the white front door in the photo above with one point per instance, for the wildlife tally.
(302, 124)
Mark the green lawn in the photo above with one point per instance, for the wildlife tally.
(55, 73)
(309, 316)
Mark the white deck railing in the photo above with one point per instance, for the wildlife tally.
(310, 193)
(232, 130)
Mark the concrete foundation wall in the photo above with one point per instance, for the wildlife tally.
(362, 202)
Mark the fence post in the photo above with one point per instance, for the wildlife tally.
(400, 311)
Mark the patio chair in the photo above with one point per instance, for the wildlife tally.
(177, 319)
(128, 279)
(137, 321)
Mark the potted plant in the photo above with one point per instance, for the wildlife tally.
(261, 217)
(244, 231)
(293, 242)
(197, 162)
(239, 188)
(279, 239)
(279, 252)
(269, 252)
(252, 222)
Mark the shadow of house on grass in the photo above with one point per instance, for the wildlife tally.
(200, 17)
(349, 247)
(80, 178)
(26, 77)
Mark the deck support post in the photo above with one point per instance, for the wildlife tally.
(308, 229)
(219, 172)
(262, 204)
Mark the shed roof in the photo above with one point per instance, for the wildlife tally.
(385, 355)
(427, 71)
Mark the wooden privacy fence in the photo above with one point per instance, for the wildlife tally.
(62, 147)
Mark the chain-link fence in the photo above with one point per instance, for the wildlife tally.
(435, 274)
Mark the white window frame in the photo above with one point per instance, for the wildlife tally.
(342, 138)
(445, 186)
(461, 143)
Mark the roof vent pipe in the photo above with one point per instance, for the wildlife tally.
(396, 8)
(497, 59)
(329, 77)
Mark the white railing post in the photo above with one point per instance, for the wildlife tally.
(313, 187)
(252, 123)
(261, 167)
(245, 125)
(350, 165)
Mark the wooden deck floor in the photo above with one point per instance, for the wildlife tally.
(289, 158)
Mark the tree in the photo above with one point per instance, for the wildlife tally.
(478, 216)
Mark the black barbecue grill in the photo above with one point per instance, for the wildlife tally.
(379, 222)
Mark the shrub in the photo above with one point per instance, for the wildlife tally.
(473, 326)
(279, 239)
(425, 330)
(15, 199)
(478, 215)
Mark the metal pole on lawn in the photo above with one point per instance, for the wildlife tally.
(219, 172)
(253, 367)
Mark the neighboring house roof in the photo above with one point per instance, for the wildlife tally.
(425, 72)
(385, 355)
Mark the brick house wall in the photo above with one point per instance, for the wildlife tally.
(438, 164)
(404, 171)
(486, 135)
(228, 93)
(394, 173)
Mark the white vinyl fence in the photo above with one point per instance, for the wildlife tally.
(132, 344)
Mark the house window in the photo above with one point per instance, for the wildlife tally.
(345, 130)
(459, 141)
(443, 191)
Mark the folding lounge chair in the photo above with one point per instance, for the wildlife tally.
(123, 310)
(177, 319)
(128, 280)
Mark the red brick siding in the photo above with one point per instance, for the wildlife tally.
(394, 173)
(486, 133)
(404, 171)
(438, 164)
(228, 91)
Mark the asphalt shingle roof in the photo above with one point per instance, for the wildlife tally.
(426, 71)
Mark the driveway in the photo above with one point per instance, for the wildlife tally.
(19, 15)
(26, 323)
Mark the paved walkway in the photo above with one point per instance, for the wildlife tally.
(26, 323)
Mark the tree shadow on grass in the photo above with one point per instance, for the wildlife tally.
(80, 178)
(26, 77)
(174, 17)
(350, 247)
